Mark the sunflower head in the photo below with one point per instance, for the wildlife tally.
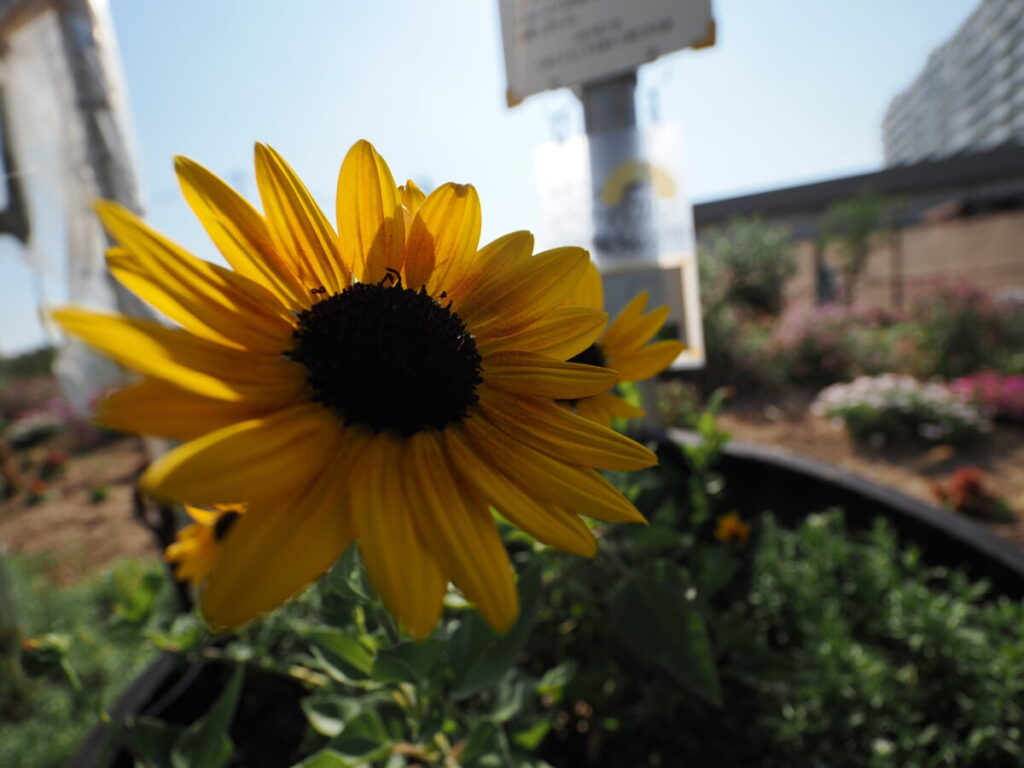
(194, 550)
(385, 381)
(625, 346)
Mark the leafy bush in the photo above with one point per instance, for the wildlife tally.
(1001, 397)
(966, 332)
(891, 408)
(738, 349)
(747, 264)
(860, 655)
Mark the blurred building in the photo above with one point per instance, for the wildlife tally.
(953, 219)
(970, 94)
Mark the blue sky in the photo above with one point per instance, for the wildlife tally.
(794, 91)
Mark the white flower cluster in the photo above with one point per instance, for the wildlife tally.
(890, 402)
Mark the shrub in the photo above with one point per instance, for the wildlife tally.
(966, 332)
(815, 344)
(739, 353)
(858, 654)
(891, 408)
(747, 264)
(1001, 397)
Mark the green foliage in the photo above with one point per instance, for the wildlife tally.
(669, 647)
(966, 332)
(746, 264)
(82, 646)
(858, 654)
(855, 225)
(26, 365)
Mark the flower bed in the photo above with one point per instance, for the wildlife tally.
(892, 408)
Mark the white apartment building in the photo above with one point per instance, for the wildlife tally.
(970, 95)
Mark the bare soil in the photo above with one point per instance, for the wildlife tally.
(789, 424)
(79, 535)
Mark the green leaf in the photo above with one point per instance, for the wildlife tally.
(409, 662)
(365, 738)
(339, 646)
(151, 741)
(325, 713)
(482, 739)
(511, 696)
(493, 655)
(205, 743)
(530, 738)
(555, 679)
(326, 758)
(664, 629)
(347, 577)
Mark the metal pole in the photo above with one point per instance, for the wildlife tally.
(623, 231)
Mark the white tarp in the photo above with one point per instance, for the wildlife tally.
(55, 151)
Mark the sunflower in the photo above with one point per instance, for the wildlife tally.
(386, 383)
(623, 347)
(194, 550)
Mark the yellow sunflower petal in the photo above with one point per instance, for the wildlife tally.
(548, 525)
(403, 572)
(560, 334)
(576, 489)
(605, 407)
(548, 427)
(639, 332)
(460, 278)
(504, 301)
(446, 228)
(619, 408)
(628, 315)
(371, 225)
(191, 553)
(260, 458)
(411, 195)
(524, 373)
(589, 292)
(595, 409)
(188, 362)
(214, 319)
(646, 362)
(276, 548)
(297, 225)
(239, 232)
(202, 516)
(464, 540)
(154, 407)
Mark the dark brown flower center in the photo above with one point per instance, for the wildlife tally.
(388, 357)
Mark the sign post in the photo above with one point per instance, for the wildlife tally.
(641, 233)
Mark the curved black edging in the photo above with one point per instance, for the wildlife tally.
(761, 478)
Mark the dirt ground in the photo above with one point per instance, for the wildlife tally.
(788, 423)
(80, 535)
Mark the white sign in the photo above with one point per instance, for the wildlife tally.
(632, 212)
(553, 43)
